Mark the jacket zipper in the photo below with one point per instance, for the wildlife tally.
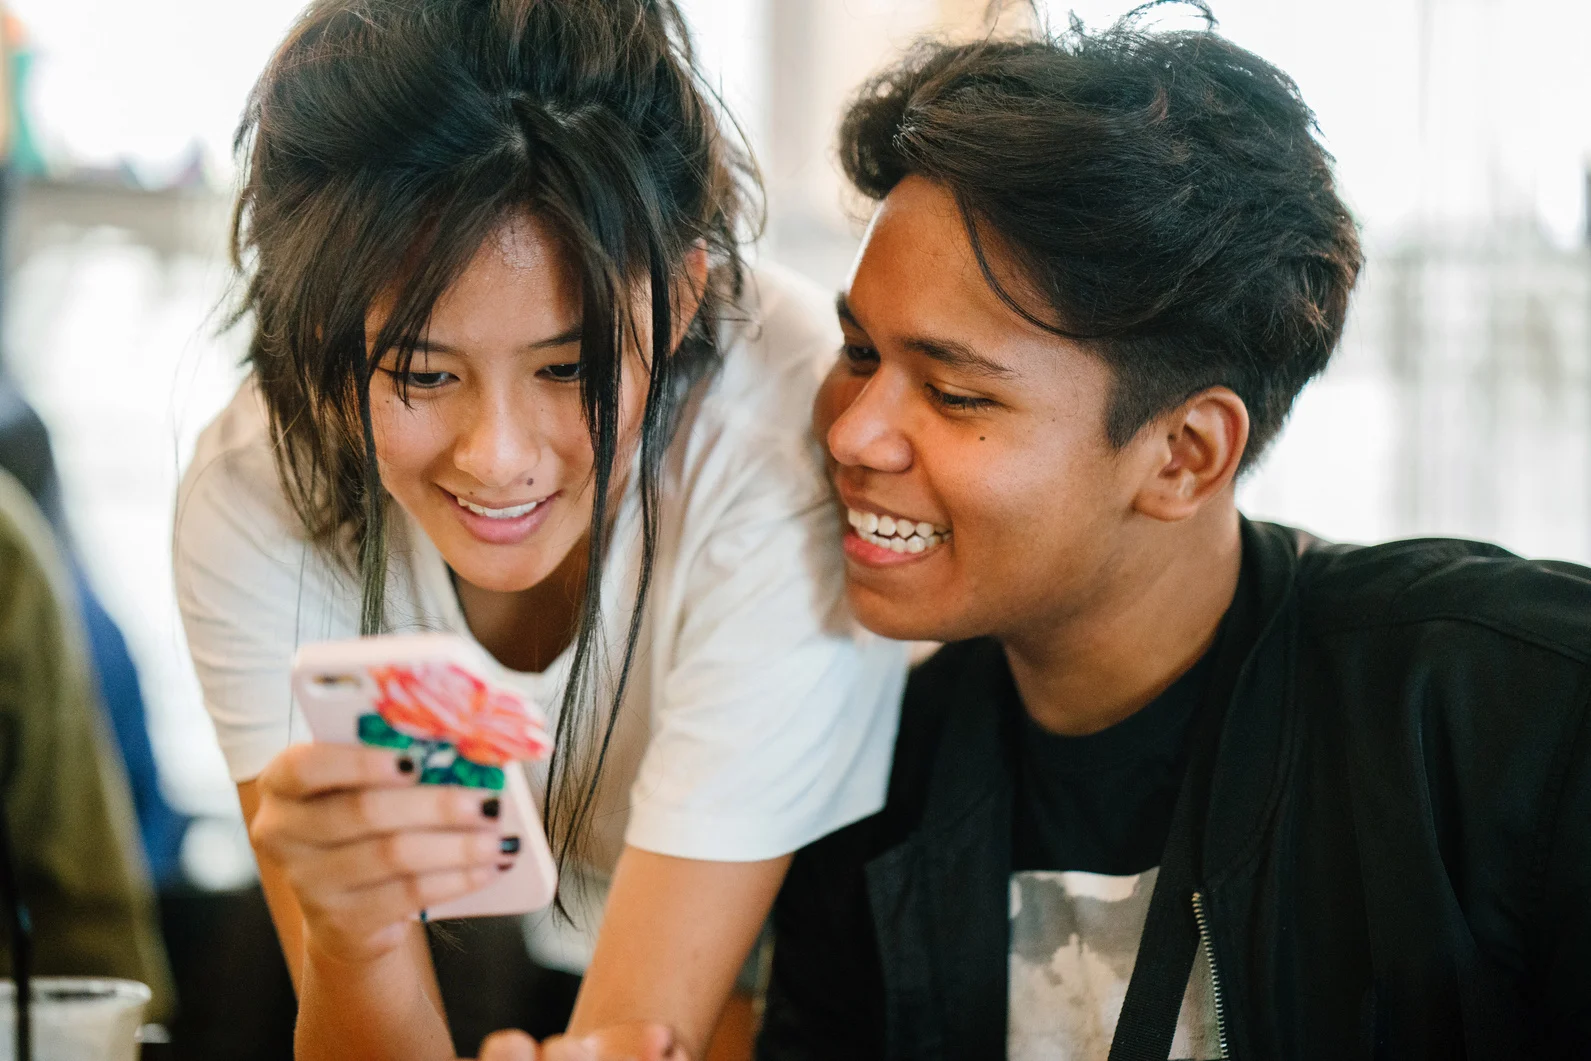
(1215, 974)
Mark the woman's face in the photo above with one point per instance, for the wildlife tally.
(491, 456)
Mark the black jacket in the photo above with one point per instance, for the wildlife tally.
(1395, 853)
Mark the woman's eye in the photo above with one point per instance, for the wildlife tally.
(957, 402)
(565, 373)
(424, 381)
(860, 358)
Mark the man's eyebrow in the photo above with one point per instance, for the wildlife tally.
(573, 335)
(960, 356)
(948, 352)
(842, 309)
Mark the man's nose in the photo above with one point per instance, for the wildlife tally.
(868, 433)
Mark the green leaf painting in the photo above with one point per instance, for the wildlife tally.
(439, 762)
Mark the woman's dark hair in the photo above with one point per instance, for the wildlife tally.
(388, 139)
(1163, 192)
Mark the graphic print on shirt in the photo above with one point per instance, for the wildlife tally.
(1074, 938)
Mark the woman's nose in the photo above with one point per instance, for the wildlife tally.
(867, 432)
(499, 447)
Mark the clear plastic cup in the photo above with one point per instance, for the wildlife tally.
(76, 1018)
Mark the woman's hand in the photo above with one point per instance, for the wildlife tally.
(364, 848)
(630, 1042)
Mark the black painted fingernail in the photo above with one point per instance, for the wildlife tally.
(492, 807)
(510, 845)
(405, 765)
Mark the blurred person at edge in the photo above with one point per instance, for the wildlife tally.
(1179, 784)
(62, 788)
(511, 378)
(26, 453)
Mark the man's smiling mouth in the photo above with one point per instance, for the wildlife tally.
(896, 533)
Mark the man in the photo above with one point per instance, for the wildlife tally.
(1182, 783)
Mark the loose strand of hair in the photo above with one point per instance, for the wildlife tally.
(373, 542)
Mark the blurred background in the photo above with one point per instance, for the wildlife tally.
(1460, 402)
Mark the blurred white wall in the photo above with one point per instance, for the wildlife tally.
(147, 80)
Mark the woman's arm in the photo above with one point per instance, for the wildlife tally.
(279, 899)
(675, 933)
(349, 849)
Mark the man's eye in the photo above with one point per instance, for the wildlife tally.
(859, 357)
(565, 373)
(956, 402)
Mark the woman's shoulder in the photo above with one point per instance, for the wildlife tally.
(745, 438)
(778, 343)
(233, 475)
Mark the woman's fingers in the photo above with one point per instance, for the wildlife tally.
(348, 817)
(395, 856)
(365, 848)
(359, 916)
(303, 771)
(623, 1042)
(508, 1046)
(630, 1042)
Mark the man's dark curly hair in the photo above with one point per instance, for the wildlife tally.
(1163, 191)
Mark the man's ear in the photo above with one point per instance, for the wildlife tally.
(1194, 454)
(692, 287)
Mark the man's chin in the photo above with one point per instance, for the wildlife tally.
(898, 620)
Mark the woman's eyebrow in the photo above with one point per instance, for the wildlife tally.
(565, 338)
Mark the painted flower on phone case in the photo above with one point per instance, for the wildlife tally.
(444, 702)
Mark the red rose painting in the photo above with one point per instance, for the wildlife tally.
(443, 702)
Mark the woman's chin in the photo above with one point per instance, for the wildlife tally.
(496, 569)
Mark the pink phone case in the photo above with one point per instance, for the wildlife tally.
(431, 696)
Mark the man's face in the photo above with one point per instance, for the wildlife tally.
(949, 412)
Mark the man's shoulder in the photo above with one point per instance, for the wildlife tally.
(1408, 585)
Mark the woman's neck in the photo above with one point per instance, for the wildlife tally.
(527, 629)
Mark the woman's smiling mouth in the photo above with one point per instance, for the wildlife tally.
(501, 525)
(510, 512)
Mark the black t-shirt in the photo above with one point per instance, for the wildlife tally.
(1101, 803)
(1089, 823)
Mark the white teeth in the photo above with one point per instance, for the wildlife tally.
(896, 535)
(498, 513)
(892, 526)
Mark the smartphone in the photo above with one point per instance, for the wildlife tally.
(433, 698)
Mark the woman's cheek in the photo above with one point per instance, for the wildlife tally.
(407, 437)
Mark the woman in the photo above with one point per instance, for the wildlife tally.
(510, 378)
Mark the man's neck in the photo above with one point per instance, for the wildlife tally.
(1156, 619)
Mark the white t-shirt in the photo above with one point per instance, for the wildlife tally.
(758, 716)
